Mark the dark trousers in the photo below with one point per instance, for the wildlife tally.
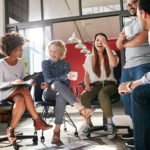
(103, 93)
(141, 116)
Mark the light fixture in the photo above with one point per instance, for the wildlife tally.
(80, 45)
(85, 50)
(73, 38)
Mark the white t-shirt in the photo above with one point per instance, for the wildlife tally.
(10, 73)
(93, 77)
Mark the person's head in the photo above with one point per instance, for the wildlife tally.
(97, 44)
(132, 6)
(143, 12)
(12, 43)
(57, 50)
(97, 48)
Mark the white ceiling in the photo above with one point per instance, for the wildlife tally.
(86, 29)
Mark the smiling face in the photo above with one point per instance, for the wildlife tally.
(132, 6)
(98, 44)
(54, 53)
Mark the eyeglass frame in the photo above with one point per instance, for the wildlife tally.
(132, 3)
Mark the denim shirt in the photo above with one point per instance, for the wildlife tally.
(56, 71)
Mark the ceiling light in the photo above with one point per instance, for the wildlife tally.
(73, 38)
(85, 50)
(80, 45)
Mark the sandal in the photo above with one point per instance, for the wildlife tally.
(56, 138)
(11, 135)
(84, 114)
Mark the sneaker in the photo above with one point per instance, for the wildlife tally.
(111, 131)
(86, 128)
(128, 136)
(130, 144)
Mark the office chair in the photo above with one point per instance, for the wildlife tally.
(7, 107)
(114, 99)
(48, 110)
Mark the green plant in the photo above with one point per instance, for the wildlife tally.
(25, 64)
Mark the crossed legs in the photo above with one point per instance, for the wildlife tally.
(22, 99)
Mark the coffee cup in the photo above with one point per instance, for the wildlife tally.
(128, 31)
(74, 75)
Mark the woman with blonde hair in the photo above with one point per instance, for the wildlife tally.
(99, 80)
(57, 76)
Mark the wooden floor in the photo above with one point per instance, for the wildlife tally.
(68, 140)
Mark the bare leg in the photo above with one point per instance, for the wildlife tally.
(109, 120)
(57, 127)
(28, 101)
(56, 135)
(85, 112)
(18, 110)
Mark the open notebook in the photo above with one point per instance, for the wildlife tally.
(27, 81)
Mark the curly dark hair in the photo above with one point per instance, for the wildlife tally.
(10, 41)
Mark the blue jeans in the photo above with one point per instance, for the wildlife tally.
(131, 74)
(141, 116)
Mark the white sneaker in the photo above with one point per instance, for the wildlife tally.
(86, 128)
(111, 131)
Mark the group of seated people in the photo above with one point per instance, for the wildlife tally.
(99, 81)
(57, 75)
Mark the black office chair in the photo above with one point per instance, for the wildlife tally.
(114, 99)
(7, 107)
(48, 110)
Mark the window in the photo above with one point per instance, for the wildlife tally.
(99, 6)
(23, 11)
(60, 8)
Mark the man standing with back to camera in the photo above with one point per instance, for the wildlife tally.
(137, 57)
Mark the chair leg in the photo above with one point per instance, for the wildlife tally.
(70, 121)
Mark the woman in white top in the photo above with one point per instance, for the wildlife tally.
(99, 80)
(12, 72)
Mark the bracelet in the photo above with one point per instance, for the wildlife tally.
(128, 85)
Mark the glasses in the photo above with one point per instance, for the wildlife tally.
(132, 4)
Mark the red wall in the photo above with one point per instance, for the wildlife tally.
(76, 59)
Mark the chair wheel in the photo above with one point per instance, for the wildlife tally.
(35, 140)
(88, 135)
(76, 134)
(129, 130)
(42, 139)
(65, 129)
(16, 146)
(35, 133)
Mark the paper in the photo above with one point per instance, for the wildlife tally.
(26, 81)
(74, 145)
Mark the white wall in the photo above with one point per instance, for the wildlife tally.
(2, 18)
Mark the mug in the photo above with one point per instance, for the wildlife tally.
(74, 75)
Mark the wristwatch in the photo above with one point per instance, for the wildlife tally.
(129, 85)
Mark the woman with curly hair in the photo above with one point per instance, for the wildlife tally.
(12, 72)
